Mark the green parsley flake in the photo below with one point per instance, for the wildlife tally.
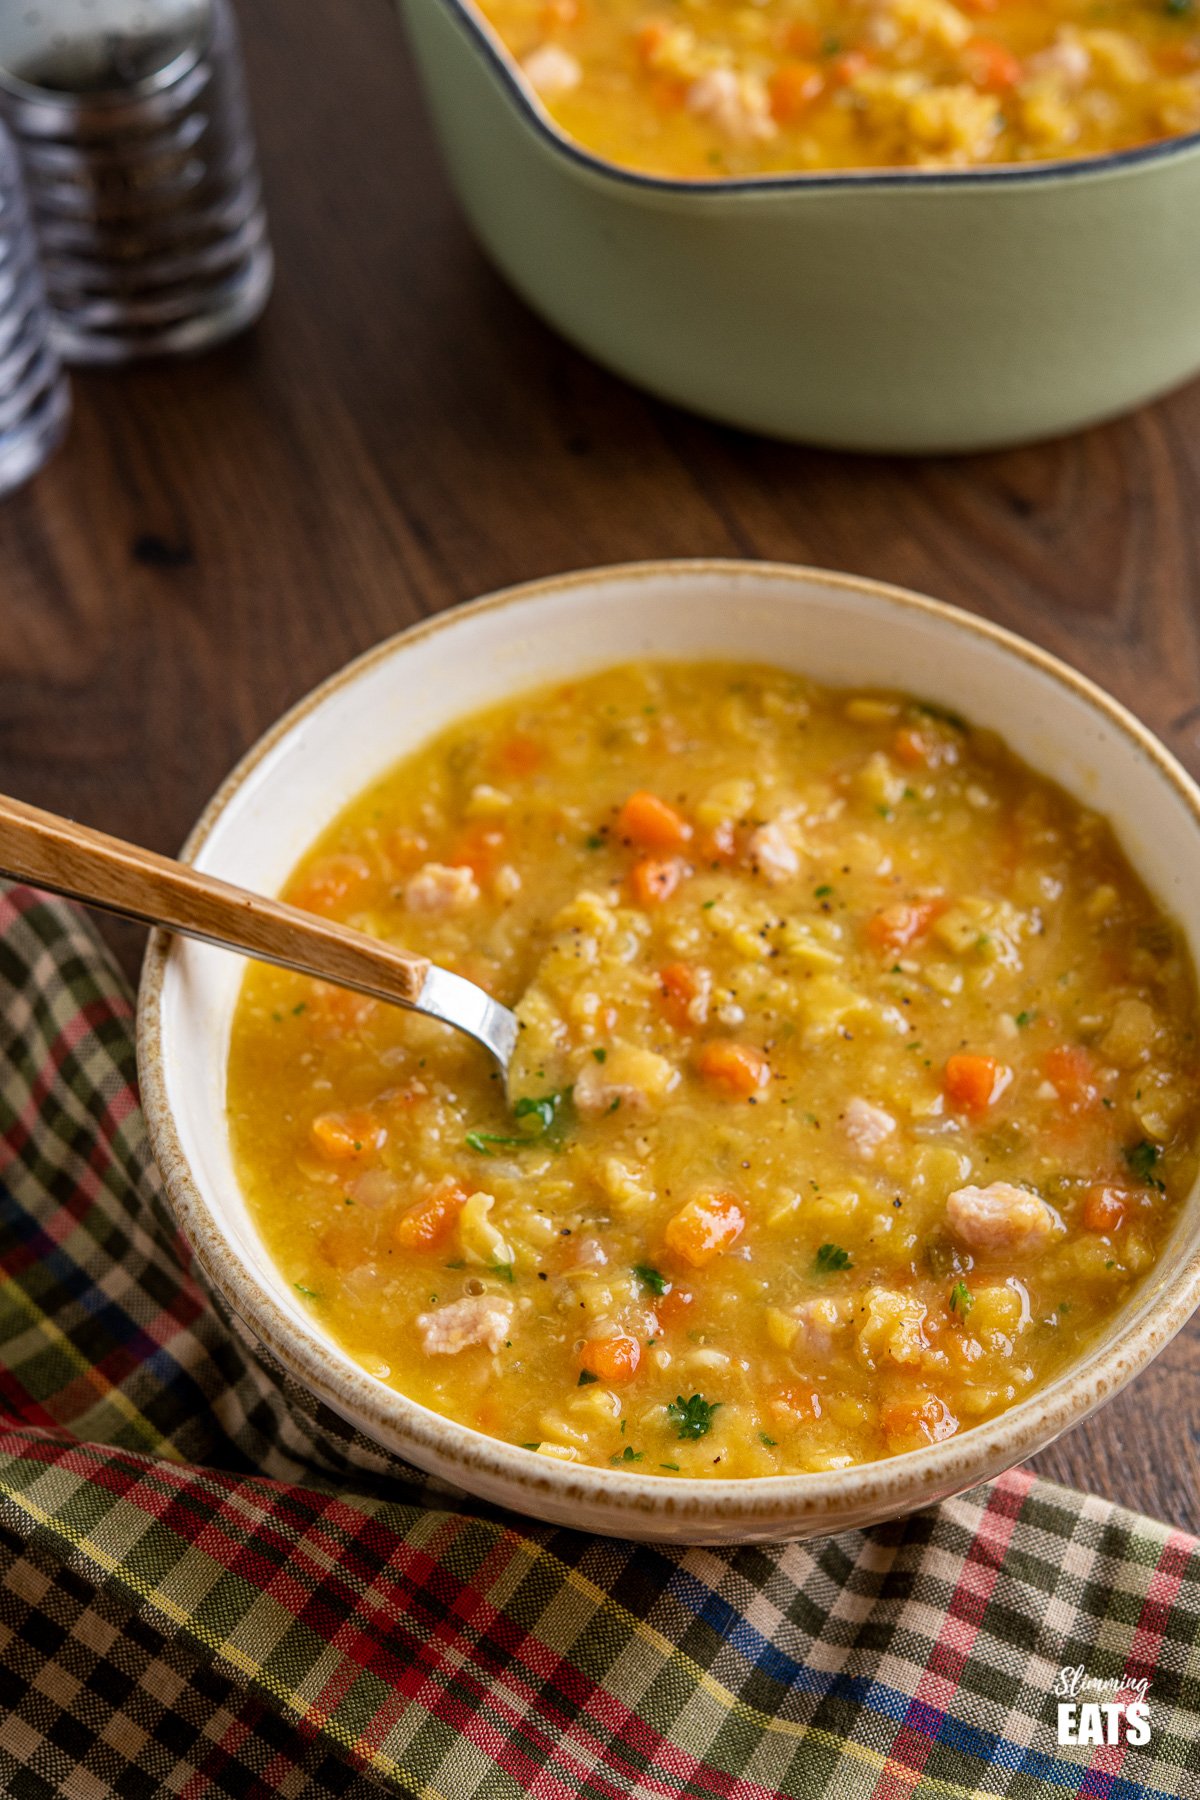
(651, 1278)
(961, 1299)
(1141, 1159)
(694, 1417)
(830, 1258)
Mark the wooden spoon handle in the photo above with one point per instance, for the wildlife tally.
(70, 859)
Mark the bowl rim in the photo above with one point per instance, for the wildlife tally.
(884, 1487)
(504, 66)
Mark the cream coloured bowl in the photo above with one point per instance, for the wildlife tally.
(833, 627)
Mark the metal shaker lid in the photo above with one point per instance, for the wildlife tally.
(67, 54)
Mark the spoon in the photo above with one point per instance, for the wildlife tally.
(71, 859)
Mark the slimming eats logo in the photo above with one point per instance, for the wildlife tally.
(1096, 1709)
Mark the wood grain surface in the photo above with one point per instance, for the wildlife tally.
(400, 433)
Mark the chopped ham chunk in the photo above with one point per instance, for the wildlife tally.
(478, 1319)
(552, 71)
(867, 1126)
(737, 105)
(818, 1321)
(772, 854)
(1000, 1217)
(441, 888)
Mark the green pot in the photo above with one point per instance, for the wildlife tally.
(897, 311)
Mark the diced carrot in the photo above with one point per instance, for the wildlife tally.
(718, 845)
(1104, 1208)
(560, 14)
(902, 924)
(975, 1082)
(1071, 1071)
(802, 38)
(665, 94)
(704, 1227)
(671, 1307)
(329, 883)
(792, 88)
(911, 746)
(795, 1405)
(429, 1220)
(848, 67)
(521, 754)
(682, 986)
(909, 1424)
(1178, 59)
(653, 881)
(651, 823)
(613, 1359)
(992, 66)
(650, 37)
(345, 1135)
(478, 847)
(737, 1069)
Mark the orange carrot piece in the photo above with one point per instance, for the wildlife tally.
(429, 1220)
(346, 1135)
(909, 1424)
(682, 985)
(1104, 1208)
(613, 1359)
(651, 823)
(650, 37)
(1071, 1071)
(720, 844)
(845, 69)
(792, 88)
(992, 66)
(737, 1069)
(705, 1227)
(795, 1405)
(911, 747)
(670, 1308)
(802, 39)
(902, 924)
(975, 1082)
(653, 881)
(521, 754)
(478, 847)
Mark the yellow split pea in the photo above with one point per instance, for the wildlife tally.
(857, 1085)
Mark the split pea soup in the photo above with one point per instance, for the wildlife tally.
(856, 1087)
(705, 89)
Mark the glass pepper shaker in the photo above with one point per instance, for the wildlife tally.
(35, 402)
(141, 169)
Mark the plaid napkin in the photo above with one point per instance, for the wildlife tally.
(210, 1587)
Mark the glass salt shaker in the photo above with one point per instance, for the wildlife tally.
(141, 169)
(35, 401)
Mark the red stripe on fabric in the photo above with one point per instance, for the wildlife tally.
(407, 1661)
(1107, 1760)
(913, 1743)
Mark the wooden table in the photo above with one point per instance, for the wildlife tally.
(400, 434)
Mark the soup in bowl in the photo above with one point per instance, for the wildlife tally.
(849, 1151)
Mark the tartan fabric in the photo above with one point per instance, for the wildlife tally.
(208, 1586)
